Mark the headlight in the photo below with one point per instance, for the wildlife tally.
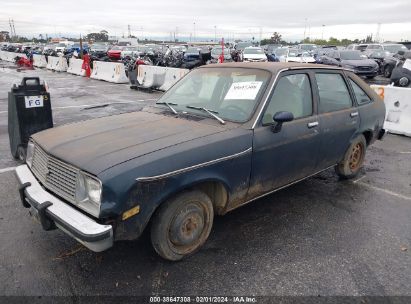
(88, 193)
(29, 153)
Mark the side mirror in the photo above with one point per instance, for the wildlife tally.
(338, 59)
(280, 118)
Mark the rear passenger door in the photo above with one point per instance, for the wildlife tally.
(338, 116)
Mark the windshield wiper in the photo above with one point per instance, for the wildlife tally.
(168, 104)
(210, 112)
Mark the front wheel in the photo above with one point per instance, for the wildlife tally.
(353, 159)
(182, 224)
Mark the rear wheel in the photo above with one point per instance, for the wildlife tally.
(353, 159)
(182, 225)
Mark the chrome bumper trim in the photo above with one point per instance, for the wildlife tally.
(95, 236)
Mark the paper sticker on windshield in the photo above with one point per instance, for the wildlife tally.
(244, 90)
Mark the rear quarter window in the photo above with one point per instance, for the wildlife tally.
(333, 91)
(360, 95)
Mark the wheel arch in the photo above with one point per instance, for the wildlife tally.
(217, 189)
(368, 134)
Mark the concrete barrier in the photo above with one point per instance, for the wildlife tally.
(150, 76)
(109, 71)
(172, 75)
(39, 61)
(398, 106)
(75, 67)
(58, 64)
(160, 78)
(10, 56)
(51, 62)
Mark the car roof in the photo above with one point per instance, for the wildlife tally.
(273, 67)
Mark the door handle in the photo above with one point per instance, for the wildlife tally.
(312, 124)
(354, 114)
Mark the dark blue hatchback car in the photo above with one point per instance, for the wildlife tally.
(221, 137)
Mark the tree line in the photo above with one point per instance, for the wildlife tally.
(276, 38)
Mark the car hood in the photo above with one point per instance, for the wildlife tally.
(255, 56)
(99, 144)
(362, 62)
(226, 56)
(300, 59)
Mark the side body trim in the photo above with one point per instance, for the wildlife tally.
(211, 162)
(278, 189)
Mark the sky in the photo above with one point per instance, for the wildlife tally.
(239, 19)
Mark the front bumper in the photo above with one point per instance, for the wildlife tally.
(366, 73)
(52, 212)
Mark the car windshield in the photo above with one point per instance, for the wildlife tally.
(253, 51)
(379, 54)
(130, 49)
(98, 47)
(308, 47)
(232, 93)
(192, 50)
(272, 47)
(351, 55)
(293, 53)
(116, 48)
(281, 52)
(217, 51)
(61, 44)
(394, 48)
(243, 45)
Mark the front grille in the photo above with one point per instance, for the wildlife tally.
(365, 68)
(54, 174)
(255, 60)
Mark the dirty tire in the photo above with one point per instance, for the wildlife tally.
(182, 224)
(21, 152)
(353, 159)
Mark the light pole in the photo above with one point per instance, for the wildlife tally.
(215, 33)
(322, 34)
(305, 28)
(194, 32)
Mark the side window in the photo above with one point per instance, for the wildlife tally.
(360, 95)
(333, 92)
(292, 94)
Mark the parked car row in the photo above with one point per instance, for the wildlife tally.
(367, 60)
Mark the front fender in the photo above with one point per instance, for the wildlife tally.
(149, 194)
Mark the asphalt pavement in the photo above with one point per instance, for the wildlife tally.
(321, 237)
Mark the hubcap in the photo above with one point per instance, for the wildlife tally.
(355, 157)
(187, 226)
(403, 81)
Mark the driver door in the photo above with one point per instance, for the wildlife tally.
(290, 154)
